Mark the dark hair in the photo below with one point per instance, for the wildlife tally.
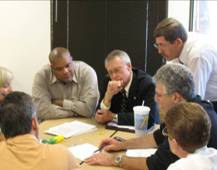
(58, 52)
(170, 29)
(189, 124)
(16, 114)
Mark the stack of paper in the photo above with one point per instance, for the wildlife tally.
(69, 129)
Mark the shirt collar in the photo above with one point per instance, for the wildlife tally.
(188, 45)
(127, 87)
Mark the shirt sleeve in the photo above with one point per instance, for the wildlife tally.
(89, 93)
(103, 106)
(162, 158)
(42, 99)
(201, 68)
(158, 137)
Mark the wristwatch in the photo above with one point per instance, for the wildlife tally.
(118, 160)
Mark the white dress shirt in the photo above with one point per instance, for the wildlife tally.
(201, 58)
(203, 159)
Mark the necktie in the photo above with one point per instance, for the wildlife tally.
(124, 101)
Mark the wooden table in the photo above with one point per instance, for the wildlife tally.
(91, 137)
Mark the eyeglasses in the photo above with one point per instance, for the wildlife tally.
(165, 132)
(161, 95)
(160, 46)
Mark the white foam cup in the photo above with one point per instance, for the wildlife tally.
(141, 114)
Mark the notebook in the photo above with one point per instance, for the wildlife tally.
(114, 125)
(69, 129)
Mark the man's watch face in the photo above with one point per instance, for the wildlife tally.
(118, 159)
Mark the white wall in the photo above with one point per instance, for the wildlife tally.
(179, 9)
(24, 39)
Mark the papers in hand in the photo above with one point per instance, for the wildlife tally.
(83, 151)
(69, 129)
(140, 152)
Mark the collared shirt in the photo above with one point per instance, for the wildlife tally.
(201, 58)
(25, 152)
(79, 97)
(126, 88)
(202, 159)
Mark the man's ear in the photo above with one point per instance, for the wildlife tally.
(129, 66)
(178, 42)
(177, 98)
(34, 123)
(35, 127)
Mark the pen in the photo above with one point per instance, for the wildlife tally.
(113, 133)
(81, 162)
(100, 148)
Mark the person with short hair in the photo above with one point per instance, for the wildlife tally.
(65, 88)
(187, 126)
(6, 77)
(125, 87)
(174, 84)
(192, 49)
(22, 149)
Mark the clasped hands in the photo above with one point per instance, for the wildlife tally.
(113, 88)
(103, 115)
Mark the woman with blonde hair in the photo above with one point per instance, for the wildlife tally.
(6, 77)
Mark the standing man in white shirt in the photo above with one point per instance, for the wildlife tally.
(191, 49)
(65, 87)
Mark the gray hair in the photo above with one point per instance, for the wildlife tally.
(5, 76)
(16, 113)
(176, 78)
(118, 53)
(58, 52)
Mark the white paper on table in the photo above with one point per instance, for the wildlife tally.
(140, 152)
(83, 151)
(69, 129)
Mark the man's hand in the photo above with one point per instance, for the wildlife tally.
(111, 144)
(103, 116)
(113, 88)
(58, 102)
(101, 158)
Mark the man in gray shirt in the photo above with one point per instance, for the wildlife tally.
(65, 88)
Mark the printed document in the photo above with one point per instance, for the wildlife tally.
(69, 129)
(83, 151)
